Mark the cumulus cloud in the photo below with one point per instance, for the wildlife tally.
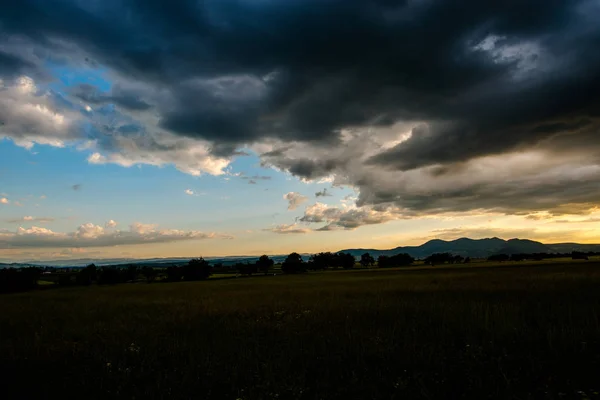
(110, 224)
(189, 192)
(415, 118)
(4, 200)
(349, 217)
(29, 218)
(30, 115)
(288, 229)
(91, 235)
(294, 199)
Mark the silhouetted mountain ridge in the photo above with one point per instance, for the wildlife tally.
(474, 248)
(478, 248)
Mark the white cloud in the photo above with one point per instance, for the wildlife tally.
(30, 116)
(96, 158)
(327, 179)
(189, 192)
(89, 231)
(110, 224)
(4, 200)
(142, 229)
(33, 115)
(294, 199)
(288, 229)
(90, 235)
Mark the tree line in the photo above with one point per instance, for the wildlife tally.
(575, 255)
(23, 279)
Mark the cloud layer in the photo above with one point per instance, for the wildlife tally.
(90, 235)
(285, 229)
(497, 108)
(29, 218)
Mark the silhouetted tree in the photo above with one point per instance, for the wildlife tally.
(87, 275)
(383, 261)
(92, 270)
(397, 260)
(467, 260)
(518, 257)
(366, 260)
(264, 263)
(109, 276)
(174, 273)
(197, 269)
(458, 259)
(293, 264)
(347, 261)
(131, 274)
(67, 279)
(577, 255)
(149, 273)
(323, 261)
(439, 258)
(246, 268)
(499, 257)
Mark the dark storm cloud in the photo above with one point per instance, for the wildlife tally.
(303, 70)
(11, 66)
(126, 99)
(480, 78)
(306, 168)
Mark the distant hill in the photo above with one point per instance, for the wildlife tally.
(478, 248)
(474, 248)
(153, 262)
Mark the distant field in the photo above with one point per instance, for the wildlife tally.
(516, 330)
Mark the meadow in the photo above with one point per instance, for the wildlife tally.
(522, 331)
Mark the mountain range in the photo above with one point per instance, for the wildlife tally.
(474, 248)
(478, 248)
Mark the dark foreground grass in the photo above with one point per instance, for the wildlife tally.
(514, 332)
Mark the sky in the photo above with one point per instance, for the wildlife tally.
(142, 129)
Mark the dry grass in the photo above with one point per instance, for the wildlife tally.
(508, 332)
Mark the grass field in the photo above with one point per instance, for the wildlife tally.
(516, 331)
